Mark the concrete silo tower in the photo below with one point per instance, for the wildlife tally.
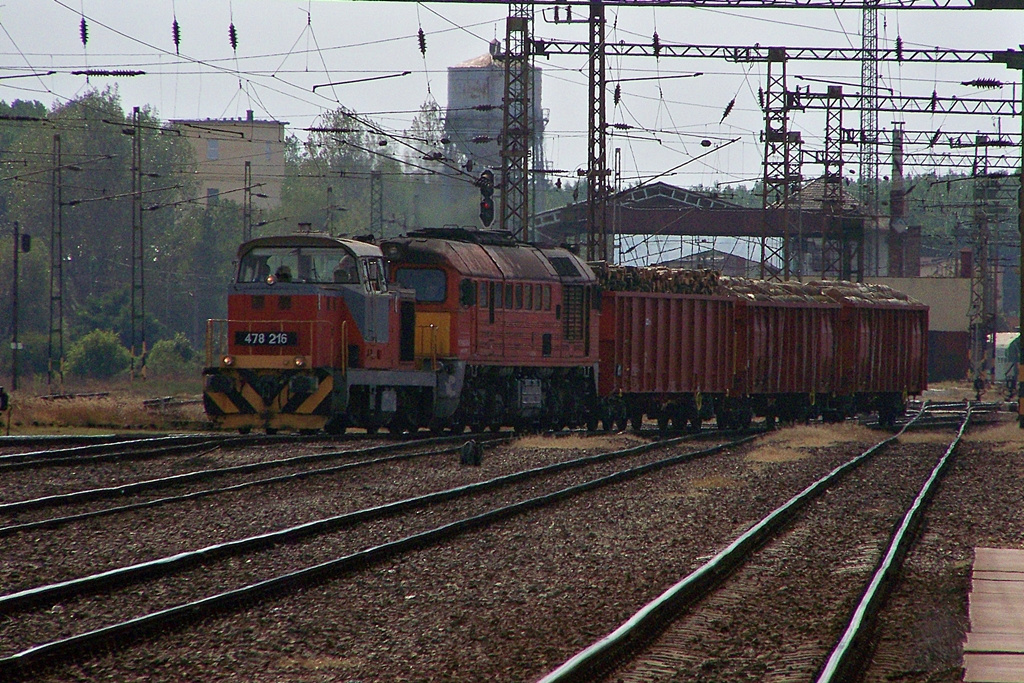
(480, 82)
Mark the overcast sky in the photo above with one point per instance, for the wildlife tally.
(285, 47)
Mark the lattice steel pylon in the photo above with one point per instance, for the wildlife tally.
(781, 168)
(515, 129)
(597, 160)
(833, 246)
(869, 125)
(993, 195)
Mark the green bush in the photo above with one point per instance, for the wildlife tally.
(98, 355)
(172, 357)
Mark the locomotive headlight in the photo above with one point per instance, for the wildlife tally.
(271, 279)
(227, 361)
(300, 361)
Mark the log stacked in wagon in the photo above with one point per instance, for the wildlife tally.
(658, 279)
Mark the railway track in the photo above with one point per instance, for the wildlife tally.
(368, 457)
(403, 536)
(770, 600)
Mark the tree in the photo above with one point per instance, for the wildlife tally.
(173, 357)
(98, 355)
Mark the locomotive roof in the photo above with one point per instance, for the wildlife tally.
(487, 253)
(311, 240)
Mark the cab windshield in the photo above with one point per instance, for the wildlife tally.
(317, 265)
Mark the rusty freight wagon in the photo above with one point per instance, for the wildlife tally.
(680, 350)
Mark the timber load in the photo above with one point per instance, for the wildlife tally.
(657, 279)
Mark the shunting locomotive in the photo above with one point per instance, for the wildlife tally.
(471, 328)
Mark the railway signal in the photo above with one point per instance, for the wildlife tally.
(486, 184)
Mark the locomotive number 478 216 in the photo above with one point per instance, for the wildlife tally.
(243, 338)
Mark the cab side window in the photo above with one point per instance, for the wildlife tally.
(373, 268)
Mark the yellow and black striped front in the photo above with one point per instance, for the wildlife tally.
(250, 398)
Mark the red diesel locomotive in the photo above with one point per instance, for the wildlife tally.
(462, 327)
(474, 329)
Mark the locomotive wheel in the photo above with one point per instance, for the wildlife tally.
(271, 431)
(372, 430)
(637, 421)
(336, 425)
(662, 424)
(244, 430)
(695, 424)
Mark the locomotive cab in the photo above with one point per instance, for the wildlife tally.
(315, 338)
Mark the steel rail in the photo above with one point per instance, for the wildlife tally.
(53, 522)
(199, 475)
(590, 663)
(121, 633)
(169, 564)
(845, 658)
(102, 451)
(33, 440)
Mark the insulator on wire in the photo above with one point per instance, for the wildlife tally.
(557, 17)
(617, 95)
(83, 31)
(988, 83)
(899, 49)
(935, 138)
(176, 35)
(422, 37)
(935, 100)
(233, 36)
(656, 44)
(760, 97)
(728, 109)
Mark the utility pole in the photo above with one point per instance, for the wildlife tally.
(138, 250)
(14, 311)
(56, 336)
(1015, 60)
(247, 203)
(377, 204)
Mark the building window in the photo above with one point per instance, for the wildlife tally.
(212, 196)
(268, 151)
(212, 150)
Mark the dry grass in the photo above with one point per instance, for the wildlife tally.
(1006, 437)
(121, 409)
(797, 443)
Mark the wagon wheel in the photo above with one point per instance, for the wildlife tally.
(662, 424)
(695, 424)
